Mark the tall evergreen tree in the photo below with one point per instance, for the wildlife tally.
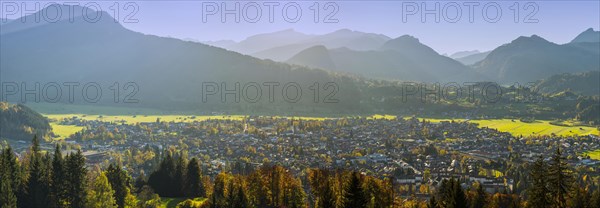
(538, 191)
(8, 198)
(37, 192)
(76, 179)
(355, 195)
(193, 184)
(58, 185)
(459, 195)
(120, 182)
(480, 198)
(10, 166)
(179, 177)
(559, 179)
(451, 194)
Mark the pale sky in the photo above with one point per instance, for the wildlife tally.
(556, 21)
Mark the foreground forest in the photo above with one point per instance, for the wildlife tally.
(43, 179)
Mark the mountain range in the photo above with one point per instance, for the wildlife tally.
(170, 72)
(527, 59)
(403, 58)
(282, 45)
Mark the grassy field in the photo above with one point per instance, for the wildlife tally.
(516, 127)
(594, 154)
(535, 128)
(64, 131)
(172, 202)
(129, 119)
(131, 115)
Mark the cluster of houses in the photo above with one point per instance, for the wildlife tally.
(413, 152)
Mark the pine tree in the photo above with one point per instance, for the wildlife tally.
(459, 195)
(327, 199)
(76, 179)
(179, 177)
(37, 183)
(162, 180)
(538, 191)
(297, 195)
(355, 197)
(8, 198)
(451, 194)
(101, 194)
(218, 195)
(559, 180)
(120, 182)
(479, 201)
(11, 168)
(58, 186)
(193, 184)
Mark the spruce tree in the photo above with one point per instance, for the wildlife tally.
(559, 179)
(179, 177)
(58, 185)
(538, 191)
(459, 195)
(76, 179)
(8, 198)
(37, 192)
(479, 201)
(193, 184)
(120, 182)
(355, 197)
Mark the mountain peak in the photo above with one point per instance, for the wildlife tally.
(315, 56)
(588, 35)
(344, 30)
(407, 43)
(408, 38)
(95, 19)
(530, 39)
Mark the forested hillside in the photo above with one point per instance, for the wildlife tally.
(19, 122)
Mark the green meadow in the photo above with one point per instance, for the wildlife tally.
(594, 154)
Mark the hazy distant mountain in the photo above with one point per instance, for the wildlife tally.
(533, 58)
(586, 83)
(473, 58)
(29, 21)
(169, 72)
(587, 36)
(461, 54)
(316, 57)
(266, 41)
(220, 43)
(354, 40)
(403, 58)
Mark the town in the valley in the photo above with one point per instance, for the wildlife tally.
(415, 154)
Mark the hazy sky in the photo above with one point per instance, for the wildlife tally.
(557, 21)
